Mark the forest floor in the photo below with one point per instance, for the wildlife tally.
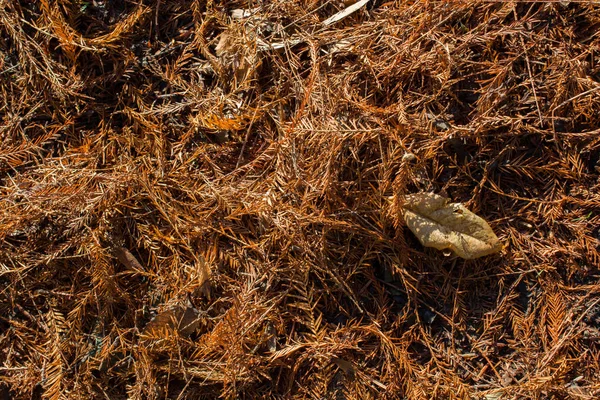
(203, 199)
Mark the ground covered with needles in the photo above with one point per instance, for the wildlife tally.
(203, 199)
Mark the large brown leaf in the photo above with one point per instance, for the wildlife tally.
(443, 225)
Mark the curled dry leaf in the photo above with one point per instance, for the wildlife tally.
(443, 225)
(127, 259)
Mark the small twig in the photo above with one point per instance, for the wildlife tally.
(592, 90)
(345, 12)
(537, 104)
(156, 19)
(246, 138)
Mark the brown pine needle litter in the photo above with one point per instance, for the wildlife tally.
(194, 199)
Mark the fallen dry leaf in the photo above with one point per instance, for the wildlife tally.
(183, 319)
(443, 225)
(127, 259)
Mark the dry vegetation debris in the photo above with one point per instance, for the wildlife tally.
(193, 199)
(450, 227)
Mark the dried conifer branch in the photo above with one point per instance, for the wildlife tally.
(193, 199)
